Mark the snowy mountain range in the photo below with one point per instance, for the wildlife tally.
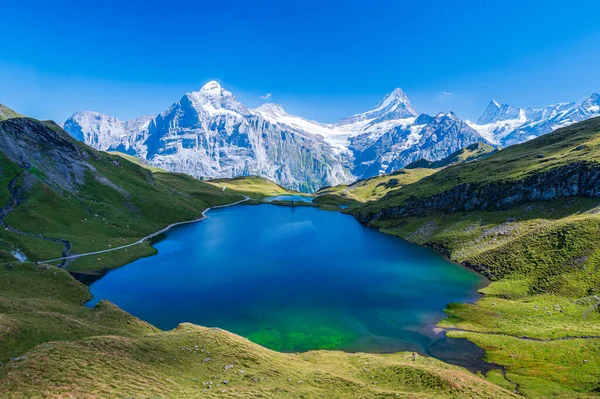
(507, 125)
(208, 134)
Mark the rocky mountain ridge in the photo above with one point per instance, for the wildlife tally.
(506, 125)
(209, 133)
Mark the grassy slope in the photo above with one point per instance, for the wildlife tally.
(6, 113)
(372, 188)
(99, 216)
(579, 142)
(253, 186)
(41, 303)
(544, 258)
(376, 187)
(547, 271)
(72, 351)
(137, 161)
(470, 153)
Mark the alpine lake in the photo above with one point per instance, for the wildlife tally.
(296, 279)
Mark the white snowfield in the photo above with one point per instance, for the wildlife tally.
(209, 134)
(507, 125)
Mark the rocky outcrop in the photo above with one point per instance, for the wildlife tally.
(36, 147)
(580, 179)
(50, 155)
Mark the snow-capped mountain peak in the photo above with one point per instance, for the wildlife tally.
(271, 109)
(496, 112)
(506, 125)
(208, 133)
(590, 104)
(491, 112)
(108, 125)
(393, 106)
(214, 99)
(275, 114)
(396, 97)
(211, 87)
(212, 91)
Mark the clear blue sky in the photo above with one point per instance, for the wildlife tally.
(321, 60)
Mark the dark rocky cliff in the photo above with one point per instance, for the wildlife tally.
(576, 179)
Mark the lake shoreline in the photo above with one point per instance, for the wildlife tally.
(471, 360)
(472, 363)
(145, 238)
(478, 364)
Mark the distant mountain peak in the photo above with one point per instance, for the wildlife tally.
(397, 96)
(496, 112)
(213, 85)
(395, 105)
(209, 133)
(87, 119)
(445, 115)
(90, 117)
(504, 124)
(212, 97)
(593, 98)
(211, 90)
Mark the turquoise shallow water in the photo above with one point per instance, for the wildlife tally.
(293, 279)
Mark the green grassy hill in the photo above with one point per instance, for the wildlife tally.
(372, 188)
(60, 197)
(253, 186)
(138, 161)
(470, 153)
(7, 113)
(528, 218)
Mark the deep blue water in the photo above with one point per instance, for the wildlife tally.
(292, 279)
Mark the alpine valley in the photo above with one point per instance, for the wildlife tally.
(298, 273)
(218, 200)
(209, 134)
